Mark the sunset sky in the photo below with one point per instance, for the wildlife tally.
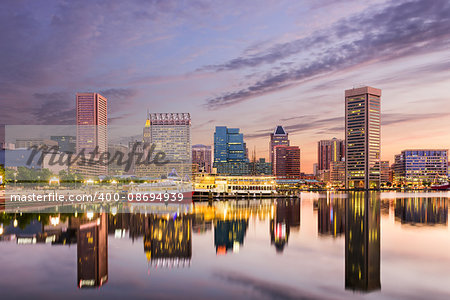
(246, 64)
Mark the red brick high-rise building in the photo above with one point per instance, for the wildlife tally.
(92, 121)
(286, 161)
(278, 137)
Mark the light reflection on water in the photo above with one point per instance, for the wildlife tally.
(327, 245)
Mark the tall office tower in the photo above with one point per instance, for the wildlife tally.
(169, 133)
(92, 252)
(362, 241)
(201, 158)
(418, 166)
(286, 161)
(278, 137)
(229, 152)
(362, 136)
(92, 121)
(328, 151)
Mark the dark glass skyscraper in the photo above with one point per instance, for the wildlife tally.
(229, 151)
(362, 135)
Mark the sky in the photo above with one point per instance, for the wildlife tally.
(246, 64)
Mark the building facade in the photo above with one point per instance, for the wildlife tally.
(286, 161)
(92, 132)
(170, 134)
(201, 158)
(419, 166)
(261, 167)
(328, 151)
(278, 137)
(35, 142)
(337, 172)
(362, 136)
(384, 171)
(66, 143)
(230, 152)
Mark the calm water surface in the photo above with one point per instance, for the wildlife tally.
(323, 245)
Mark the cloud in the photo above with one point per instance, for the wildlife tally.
(335, 125)
(395, 118)
(377, 34)
(267, 288)
(55, 108)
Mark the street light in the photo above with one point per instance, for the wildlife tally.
(53, 180)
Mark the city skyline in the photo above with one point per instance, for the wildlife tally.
(279, 70)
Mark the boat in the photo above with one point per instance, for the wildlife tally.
(441, 187)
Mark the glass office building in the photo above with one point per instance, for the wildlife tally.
(418, 166)
(362, 130)
(229, 152)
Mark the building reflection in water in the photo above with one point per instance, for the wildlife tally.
(425, 211)
(331, 216)
(229, 234)
(167, 242)
(362, 242)
(92, 251)
(167, 238)
(285, 218)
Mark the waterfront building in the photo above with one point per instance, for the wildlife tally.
(337, 172)
(230, 152)
(384, 171)
(419, 166)
(92, 134)
(278, 137)
(286, 161)
(201, 157)
(168, 133)
(329, 151)
(66, 143)
(235, 184)
(362, 136)
(261, 167)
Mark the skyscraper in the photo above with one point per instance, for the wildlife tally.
(229, 152)
(92, 121)
(201, 158)
(362, 132)
(169, 133)
(286, 161)
(328, 151)
(278, 137)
